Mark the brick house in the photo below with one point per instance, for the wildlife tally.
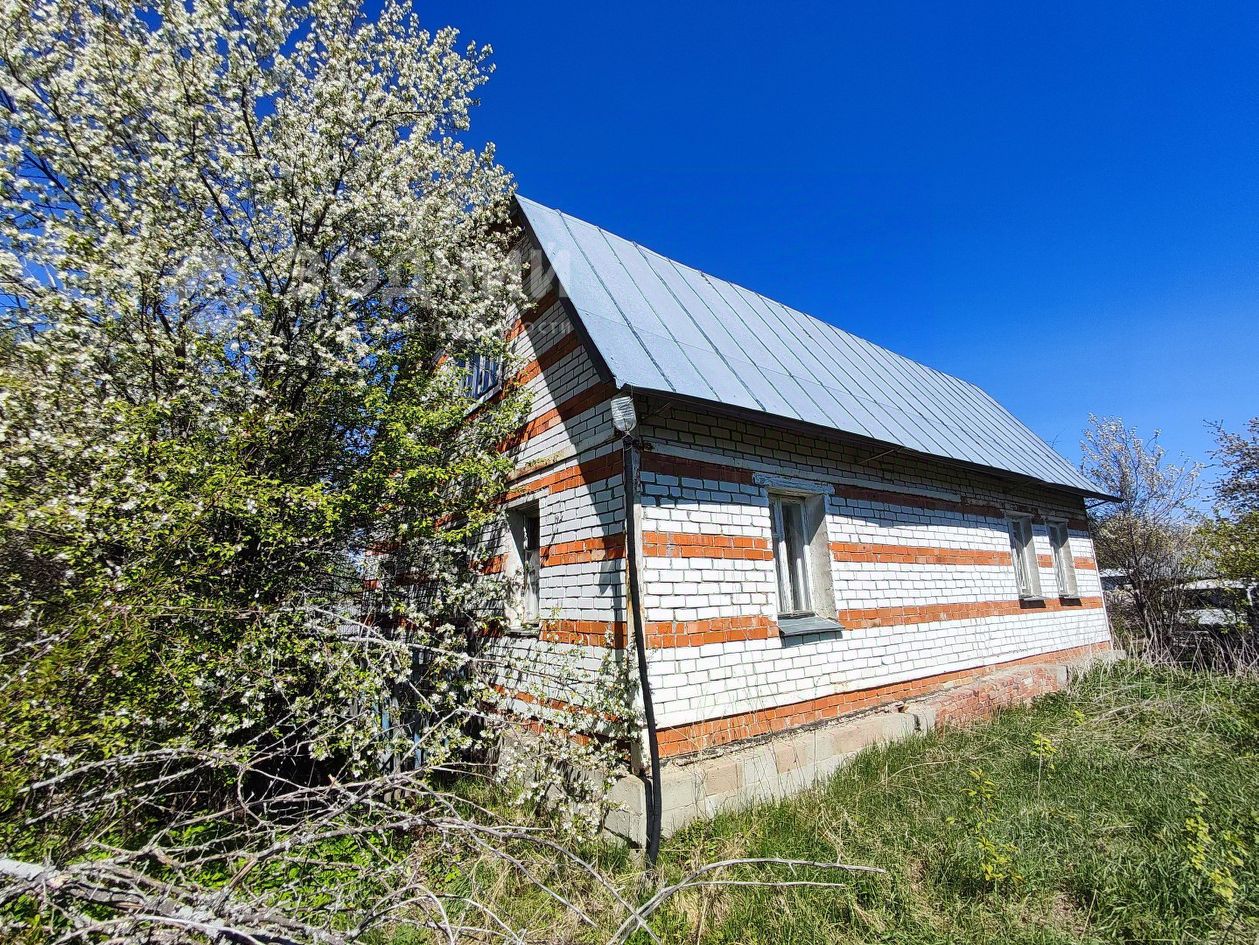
(819, 527)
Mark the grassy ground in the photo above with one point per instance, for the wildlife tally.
(1123, 810)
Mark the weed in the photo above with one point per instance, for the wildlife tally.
(1120, 810)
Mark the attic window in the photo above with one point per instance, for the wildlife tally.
(483, 376)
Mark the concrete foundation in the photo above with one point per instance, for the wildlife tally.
(742, 775)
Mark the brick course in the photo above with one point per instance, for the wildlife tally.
(916, 554)
(711, 733)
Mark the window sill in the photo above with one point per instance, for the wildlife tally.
(476, 403)
(523, 630)
(798, 626)
(1032, 600)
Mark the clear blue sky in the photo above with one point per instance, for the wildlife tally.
(1059, 202)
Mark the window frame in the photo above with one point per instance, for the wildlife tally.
(1064, 562)
(794, 584)
(481, 366)
(1023, 556)
(524, 523)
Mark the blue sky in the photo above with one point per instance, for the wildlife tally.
(1058, 202)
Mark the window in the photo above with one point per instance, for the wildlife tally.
(526, 534)
(802, 556)
(1064, 564)
(482, 378)
(1023, 553)
(791, 555)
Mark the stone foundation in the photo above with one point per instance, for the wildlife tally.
(748, 773)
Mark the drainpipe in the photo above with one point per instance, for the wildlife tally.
(625, 421)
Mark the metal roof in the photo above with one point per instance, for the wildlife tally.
(664, 327)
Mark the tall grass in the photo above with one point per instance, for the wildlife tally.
(1125, 809)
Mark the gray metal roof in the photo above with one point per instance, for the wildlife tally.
(665, 327)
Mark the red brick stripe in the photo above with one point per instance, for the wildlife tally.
(548, 358)
(694, 468)
(536, 310)
(857, 551)
(664, 634)
(688, 545)
(909, 500)
(672, 633)
(578, 403)
(571, 477)
(697, 736)
(545, 702)
(494, 564)
(655, 544)
(585, 632)
(582, 550)
(549, 702)
(862, 618)
(661, 634)
(912, 501)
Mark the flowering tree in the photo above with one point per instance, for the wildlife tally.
(1238, 489)
(1234, 540)
(238, 240)
(1152, 532)
(244, 255)
(244, 258)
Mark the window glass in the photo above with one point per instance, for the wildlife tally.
(1023, 555)
(1064, 564)
(791, 556)
(526, 533)
(482, 378)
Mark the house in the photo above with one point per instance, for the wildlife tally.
(818, 527)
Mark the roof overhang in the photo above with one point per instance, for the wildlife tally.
(883, 447)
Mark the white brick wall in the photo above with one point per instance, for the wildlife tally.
(698, 683)
(707, 682)
(560, 671)
(588, 591)
(574, 374)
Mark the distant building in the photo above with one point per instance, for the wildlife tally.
(1114, 579)
(1213, 603)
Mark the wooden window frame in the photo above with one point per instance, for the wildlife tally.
(485, 377)
(525, 525)
(1023, 557)
(1064, 564)
(792, 559)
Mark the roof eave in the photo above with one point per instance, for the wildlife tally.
(813, 429)
(521, 220)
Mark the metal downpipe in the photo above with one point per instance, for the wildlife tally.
(630, 490)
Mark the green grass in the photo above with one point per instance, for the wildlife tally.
(1123, 810)
(1116, 811)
